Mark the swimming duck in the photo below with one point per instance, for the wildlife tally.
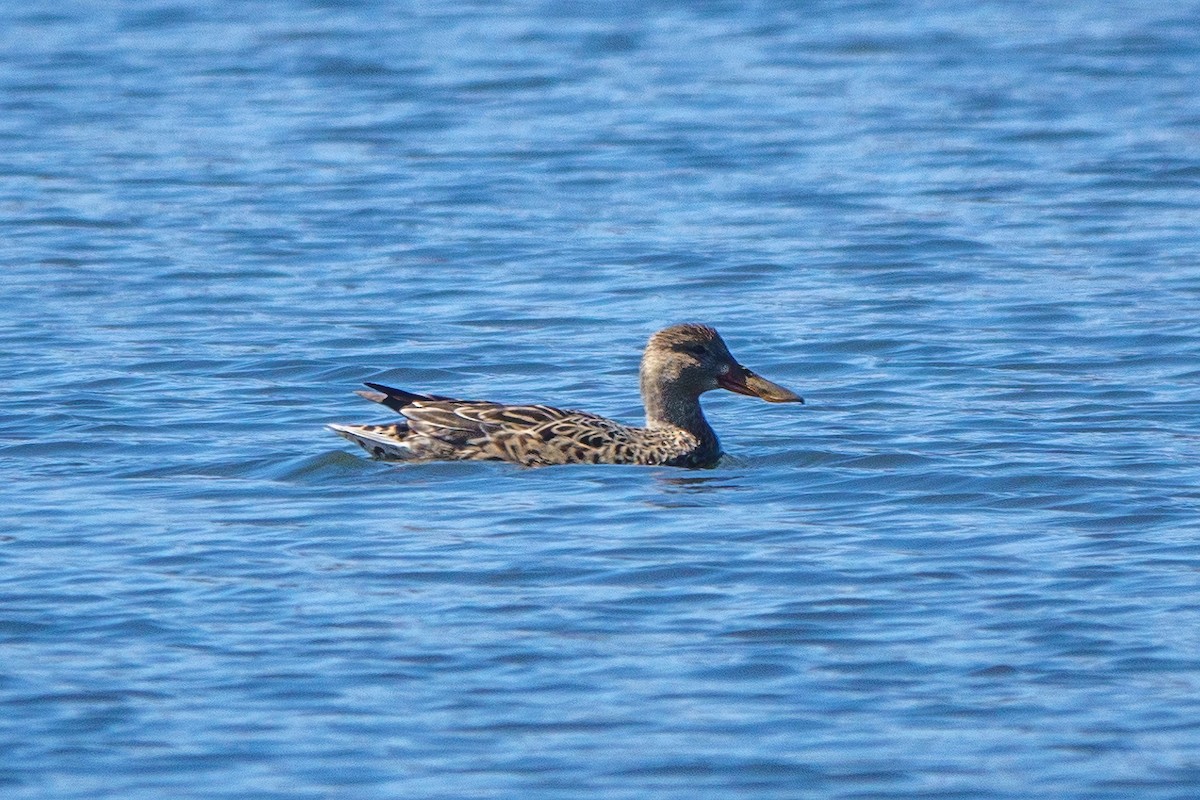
(680, 363)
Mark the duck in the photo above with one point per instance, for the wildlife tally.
(679, 363)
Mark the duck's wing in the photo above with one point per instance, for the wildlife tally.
(397, 399)
(540, 435)
(451, 417)
(532, 435)
(445, 428)
(429, 413)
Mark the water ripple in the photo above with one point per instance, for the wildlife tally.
(963, 569)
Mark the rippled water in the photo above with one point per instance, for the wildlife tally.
(967, 233)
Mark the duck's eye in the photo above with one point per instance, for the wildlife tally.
(694, 349)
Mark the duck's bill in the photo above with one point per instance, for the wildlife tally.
(746, 382)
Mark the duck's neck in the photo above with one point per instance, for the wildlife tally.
(666, 406)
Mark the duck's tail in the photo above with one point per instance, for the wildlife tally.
(382, 441)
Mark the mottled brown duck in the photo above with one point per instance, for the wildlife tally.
(680, 363)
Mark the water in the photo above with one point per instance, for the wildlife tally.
(967, 233)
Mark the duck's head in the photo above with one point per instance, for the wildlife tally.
(688, 360)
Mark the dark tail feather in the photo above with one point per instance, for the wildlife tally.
(395, 399)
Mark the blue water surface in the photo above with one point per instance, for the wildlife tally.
(967, 232)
